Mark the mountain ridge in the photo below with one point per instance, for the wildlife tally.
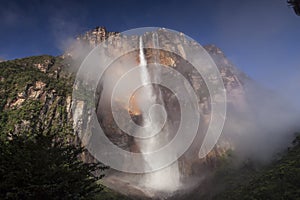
(37, 92)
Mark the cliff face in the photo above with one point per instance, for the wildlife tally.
(90, 39)
(96, 36)
(232, 78)
(36, 92)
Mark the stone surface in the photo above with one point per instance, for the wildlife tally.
(57, 110)
(232, 78)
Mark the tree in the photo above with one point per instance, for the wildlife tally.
(278, 181)
(40, 166)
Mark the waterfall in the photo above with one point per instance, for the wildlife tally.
(143, 62)
(168, 178)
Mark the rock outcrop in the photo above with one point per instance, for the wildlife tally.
(232, 78)
(34, 96)
(40, 96)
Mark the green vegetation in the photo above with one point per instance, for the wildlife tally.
(280, 180)
(10, 119)
(38, 166)
(19, 77)
(234, 179)
(108, 194)
(21, 73)
(38, 157)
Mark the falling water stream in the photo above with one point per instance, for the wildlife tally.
(168, 178)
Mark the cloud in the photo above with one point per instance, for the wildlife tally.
(65, 21)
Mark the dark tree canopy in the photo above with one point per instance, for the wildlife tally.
(39, 166)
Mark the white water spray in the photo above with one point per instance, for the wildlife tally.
(166, 179)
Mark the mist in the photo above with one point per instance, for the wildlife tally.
(265, 127)
(263, 121)
(258, 126)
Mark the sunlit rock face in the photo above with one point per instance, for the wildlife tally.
(30, 88)
(88, 40)
(191, 168)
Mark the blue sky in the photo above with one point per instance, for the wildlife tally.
(261, 37)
